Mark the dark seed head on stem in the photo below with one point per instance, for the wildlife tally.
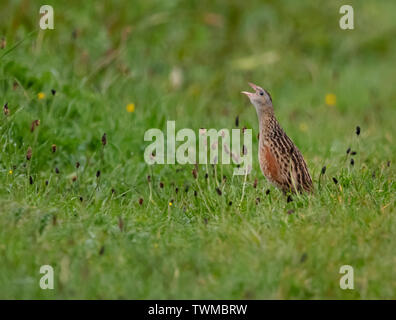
(244, 150)
(53, 91)
(30, 180)
(219, 191)
(53, 148)
(98, 174)
(29, 154)
(35, 124)
(141, 201)
(352, 162)
(56, 170)
(148, 179)
(161, 184)
(77, 164)
(6, 110)
(255, 183)
(289, 198)
(237, 121)
(104, 139)
(323, 170)
(230, 203)
(267, 192)
(353, 153)
(335, 180)
(357, 130)
(194, 173)
(303, 257)
(348, 150)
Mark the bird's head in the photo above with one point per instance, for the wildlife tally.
(261, 99)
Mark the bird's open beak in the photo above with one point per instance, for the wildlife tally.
(255, 88)
(247, 93)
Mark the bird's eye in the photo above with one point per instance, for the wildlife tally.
(261, 93)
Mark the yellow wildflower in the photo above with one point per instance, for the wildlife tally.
(130, 107)
(10, 172)
(330, 99)
(303, 127)
(41, 95)
(170, 204)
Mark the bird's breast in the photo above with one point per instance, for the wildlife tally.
(268, 162)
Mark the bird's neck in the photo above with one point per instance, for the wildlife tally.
(267, 120)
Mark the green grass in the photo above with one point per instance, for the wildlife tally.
(200, 247)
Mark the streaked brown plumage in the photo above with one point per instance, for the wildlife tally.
(280, 160)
